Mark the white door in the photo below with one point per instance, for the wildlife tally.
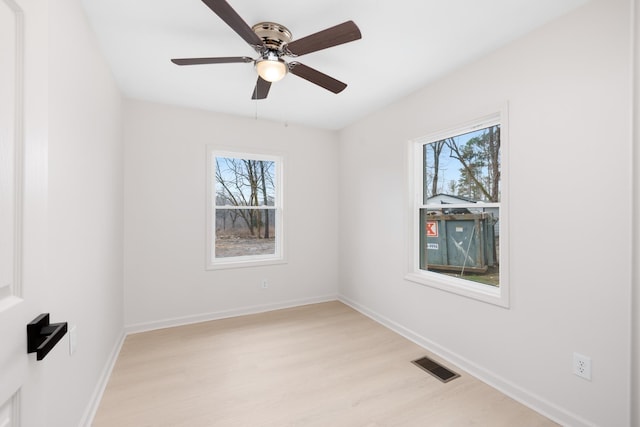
(23, 191)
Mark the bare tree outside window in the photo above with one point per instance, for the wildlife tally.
(245, 207)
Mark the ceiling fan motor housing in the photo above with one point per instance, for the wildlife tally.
(273, 35)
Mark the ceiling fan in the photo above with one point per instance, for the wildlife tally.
(272, 42)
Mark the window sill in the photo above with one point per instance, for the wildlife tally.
(479, 292)
(223, 265)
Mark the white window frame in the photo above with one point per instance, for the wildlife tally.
(213, 263)
(467, 288)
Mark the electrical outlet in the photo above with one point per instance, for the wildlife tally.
(265, 283)
(582, 366)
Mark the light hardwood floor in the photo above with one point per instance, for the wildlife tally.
(321, 365)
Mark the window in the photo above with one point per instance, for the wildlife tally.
(244, 209)
(458, 227)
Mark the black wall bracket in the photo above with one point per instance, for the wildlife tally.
(42, 336)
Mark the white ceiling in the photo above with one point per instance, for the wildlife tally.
(405, 45)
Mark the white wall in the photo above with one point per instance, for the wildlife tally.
(635, 304)
(568, 85)
(165, 278)
(85, 210)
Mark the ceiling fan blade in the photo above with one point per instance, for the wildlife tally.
(316, 77)
(262, 89)
(231, 17)
(339, 34)
(220, 60)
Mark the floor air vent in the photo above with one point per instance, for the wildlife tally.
(436, 369)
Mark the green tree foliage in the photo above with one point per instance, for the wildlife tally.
(478, 162)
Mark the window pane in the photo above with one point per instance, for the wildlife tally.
(461, 242)
(463, 168)
(245, 232)
(244, 182)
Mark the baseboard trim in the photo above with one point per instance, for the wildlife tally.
(96, 397)
(243, 311)
(512, 390)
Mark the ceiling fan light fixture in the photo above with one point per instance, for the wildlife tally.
(271, 69)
